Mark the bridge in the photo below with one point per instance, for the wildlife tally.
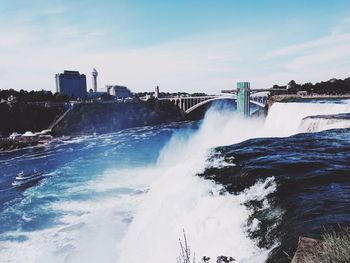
(190, 103)
(243, 95)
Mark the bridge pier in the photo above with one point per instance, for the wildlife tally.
(243, 99)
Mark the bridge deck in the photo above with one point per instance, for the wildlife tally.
(188, 103)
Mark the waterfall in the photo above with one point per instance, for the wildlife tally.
(285, 119)
(137, 214)
(324, 122)
(215, 223)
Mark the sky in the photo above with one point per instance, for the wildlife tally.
(183, 45)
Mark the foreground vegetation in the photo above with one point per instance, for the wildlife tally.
(335, 247)
(186, 256)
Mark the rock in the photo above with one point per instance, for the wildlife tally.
(306, 250)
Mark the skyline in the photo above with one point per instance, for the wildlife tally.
(197, 46)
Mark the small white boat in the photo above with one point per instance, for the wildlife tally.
(24, 178)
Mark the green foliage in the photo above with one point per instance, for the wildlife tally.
(330, 87)
(170, 94)
(33, 96)
(106, 97)
(198, 94)
(143, 94)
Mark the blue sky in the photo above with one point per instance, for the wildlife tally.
(179, 45)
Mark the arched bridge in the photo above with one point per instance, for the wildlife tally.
(188, 104)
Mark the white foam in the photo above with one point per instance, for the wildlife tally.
(91, 228)
(137, 215)
(284, 119)
(320, 124)
(215, 223)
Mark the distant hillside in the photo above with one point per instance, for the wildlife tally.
(88, 118)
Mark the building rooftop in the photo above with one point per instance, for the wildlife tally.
(117, 87)
(71, 72)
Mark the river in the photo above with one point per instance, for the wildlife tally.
(128, 196)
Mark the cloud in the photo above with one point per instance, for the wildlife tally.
(327, 42)
(319, 59)
(323, 56)
(15, 39)
(187, 64)
(210, 62)
(342, 27)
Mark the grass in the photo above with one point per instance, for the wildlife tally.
(185, 253)
(335, 248)
(186, 257)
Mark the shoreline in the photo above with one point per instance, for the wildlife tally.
(72, 137)
(8, 145)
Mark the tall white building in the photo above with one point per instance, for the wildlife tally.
(156, 94)
(94, 74)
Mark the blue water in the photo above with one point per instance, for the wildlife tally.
(72, 162)
(126, 197)
(69, 167)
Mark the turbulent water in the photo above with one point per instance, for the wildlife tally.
(126, 197)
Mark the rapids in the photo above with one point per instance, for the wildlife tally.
(126, 197)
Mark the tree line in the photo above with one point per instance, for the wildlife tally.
(33, 96)
(330, 87)
(171, 94)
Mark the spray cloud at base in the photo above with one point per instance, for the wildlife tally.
(214, 221)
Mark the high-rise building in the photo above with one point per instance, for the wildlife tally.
(71, 83)
(94, 74)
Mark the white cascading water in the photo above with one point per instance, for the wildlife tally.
(214, 224)
(316, 124)
(285, 119)
(166, 198)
